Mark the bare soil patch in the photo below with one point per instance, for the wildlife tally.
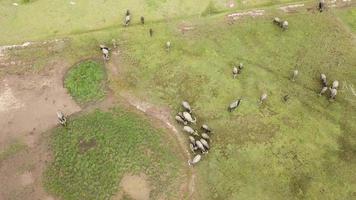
(136, 186)
(252, 13)
(21, 174)
(291, 8)
(28, 105)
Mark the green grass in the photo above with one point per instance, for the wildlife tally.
(93, 153)
(58, 18)
(349, 17)
(304, 148)
(13, 149)
(85, 81)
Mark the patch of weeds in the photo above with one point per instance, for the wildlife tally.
(299, 185)
(85, 81)
(93, 153)
(13, 149)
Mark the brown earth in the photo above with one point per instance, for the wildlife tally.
(135, 186)
(28, 105)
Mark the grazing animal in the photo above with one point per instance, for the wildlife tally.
(168, 45)
(200, 145)
(189, 117)
(151, 32)
(295, 74)
(195, 160)
(61, 118)
(205, 136)
(241, 66)
(191, 139)
(285, 98)
(105, 51)
(280, 23)
(205, 143)
(321, 5)
(284, 25)
(335, 84)
(142, 20)
(323, 90)
(180, 114)
(235, 71)
(186, 106)
(180, 120)
(127, 18)
(277, 21)
(323, 80)
(333, 93)
(234, 105)
(193, 147)
(263, 98)
(190, 130)
(206, 128)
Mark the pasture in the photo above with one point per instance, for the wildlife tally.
(303, 148)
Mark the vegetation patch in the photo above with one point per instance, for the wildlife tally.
(349, 17)
(265, 151)
(85, 81)
(94, 152)
(13, 149)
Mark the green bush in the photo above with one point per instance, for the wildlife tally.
(85, 81)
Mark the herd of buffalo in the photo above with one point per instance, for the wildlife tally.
(199, 140)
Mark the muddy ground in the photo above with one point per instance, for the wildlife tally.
(28, 105)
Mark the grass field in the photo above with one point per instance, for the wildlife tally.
(302, 149)
(85, 81)
(93, 153)
(57, 18)
(349, 17)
